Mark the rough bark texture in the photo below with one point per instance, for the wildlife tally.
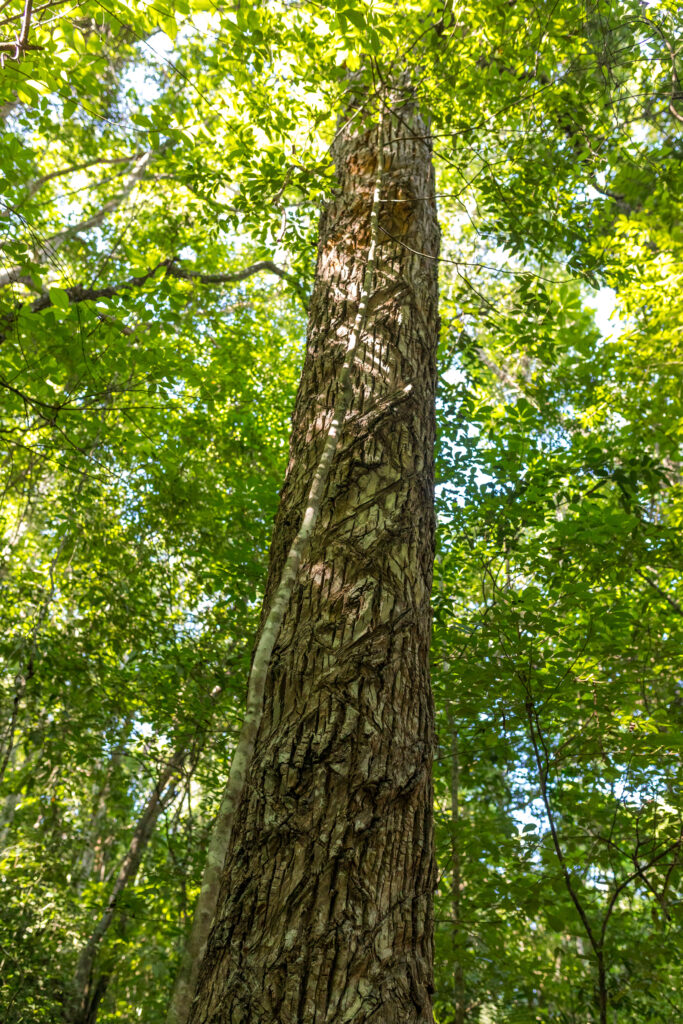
(280, 598)
(325, 905)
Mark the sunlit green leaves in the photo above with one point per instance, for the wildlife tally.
(144, 437)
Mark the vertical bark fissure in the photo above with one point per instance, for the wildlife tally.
(220, 839)
(324, 912)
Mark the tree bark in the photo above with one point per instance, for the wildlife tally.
(325, 909)
(186, 981)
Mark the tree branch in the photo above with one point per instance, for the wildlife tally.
(36, 10)
(79, 293)
(229, 277)
(47, 248)
(232, 277)
(39, 182)
(674, 74)
(21, 43)
(662, 593)
(635, 874)
(597, 944)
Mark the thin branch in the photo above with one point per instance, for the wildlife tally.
(46, 249)
(39, 182)
(229, 277)
(483, 266)
(21, 43)
(674, 74)
(80, 293)
(232, 277)
(662, 593)
(635, 874)
(36, 10)
(536, 737)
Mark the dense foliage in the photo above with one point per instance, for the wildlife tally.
(163, 170)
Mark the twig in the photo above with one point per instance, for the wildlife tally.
(662, 593)
(596, 943)
(21, 43)
(36, 10)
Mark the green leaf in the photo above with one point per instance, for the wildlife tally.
(355, 17)
(59, 298)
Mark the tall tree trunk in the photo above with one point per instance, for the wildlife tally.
(325, 905)
(88, 990)
(101, 795)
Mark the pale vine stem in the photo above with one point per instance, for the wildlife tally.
(183, 993)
